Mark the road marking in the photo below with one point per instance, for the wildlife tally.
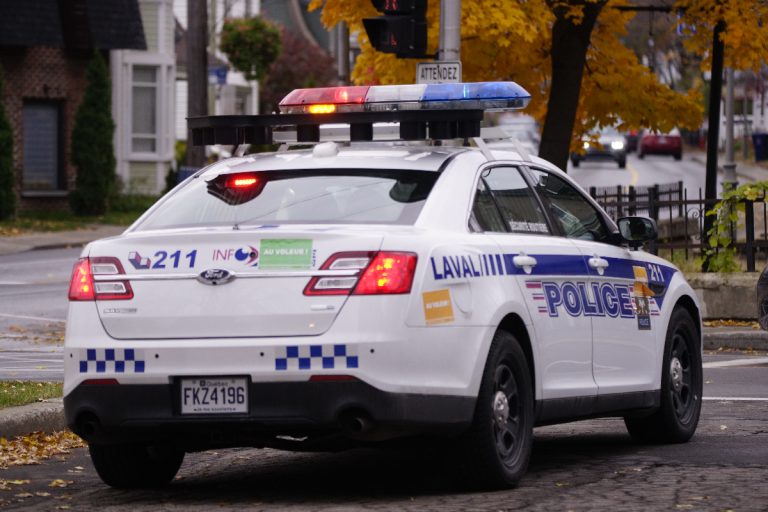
(12, 283)
(736, 362)
(735, 399)
(634, 176)
(38, 318)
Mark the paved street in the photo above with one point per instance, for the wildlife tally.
(649, 171)
(579, 466)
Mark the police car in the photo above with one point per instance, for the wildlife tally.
(360, 291)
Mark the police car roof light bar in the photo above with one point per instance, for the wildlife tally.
(445, 111)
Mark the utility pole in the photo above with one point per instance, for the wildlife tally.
(729, 167)
(197, 73)
(450, 30)
(342, 53)
(713, 134)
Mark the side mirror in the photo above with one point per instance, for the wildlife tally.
(636, 230)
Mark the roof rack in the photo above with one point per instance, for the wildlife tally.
(259, 129)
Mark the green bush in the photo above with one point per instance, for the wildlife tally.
(92, 151)
(7, 178)
(251, 45)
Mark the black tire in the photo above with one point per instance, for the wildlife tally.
(496, 449)
(681, 385)
(128, 466)
(575, 162)
(622, 163)
(640, 154)
(678, 156)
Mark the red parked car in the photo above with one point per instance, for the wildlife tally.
(661, 144)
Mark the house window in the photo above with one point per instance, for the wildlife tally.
(42, 146)
(144, 126)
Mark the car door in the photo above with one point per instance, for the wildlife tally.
(544, 265)
(617, 297)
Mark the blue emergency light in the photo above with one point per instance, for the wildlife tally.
(382, 98)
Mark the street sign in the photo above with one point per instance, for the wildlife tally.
(438, 72)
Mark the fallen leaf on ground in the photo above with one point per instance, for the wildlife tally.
(60, 483)
(33, 448)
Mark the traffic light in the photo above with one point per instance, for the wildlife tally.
(402, 30)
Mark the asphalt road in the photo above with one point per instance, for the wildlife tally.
(581, 466)
(649, 171)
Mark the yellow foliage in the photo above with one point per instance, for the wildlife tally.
(511, 40)
(746, 30)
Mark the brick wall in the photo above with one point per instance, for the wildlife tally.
(43, 74)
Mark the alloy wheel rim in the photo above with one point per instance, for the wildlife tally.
(506, 415)
(681, 378)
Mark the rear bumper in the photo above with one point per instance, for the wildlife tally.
(135, 413)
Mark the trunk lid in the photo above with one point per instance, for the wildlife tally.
(220, 282)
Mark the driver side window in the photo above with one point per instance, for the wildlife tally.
(569, 208)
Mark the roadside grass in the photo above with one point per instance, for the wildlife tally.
(17, 392)
(123, 212)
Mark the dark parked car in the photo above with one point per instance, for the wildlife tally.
(633, 137)
(762, 299)
(610, 145)
(661, 144)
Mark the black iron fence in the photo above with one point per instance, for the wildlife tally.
(680, 219)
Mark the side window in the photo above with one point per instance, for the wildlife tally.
(507, 193)
(576, 215)
(484, 212)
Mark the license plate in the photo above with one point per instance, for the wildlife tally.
(214, 395)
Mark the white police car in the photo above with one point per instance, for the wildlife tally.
(363, 291)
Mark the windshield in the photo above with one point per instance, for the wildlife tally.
(347, 196)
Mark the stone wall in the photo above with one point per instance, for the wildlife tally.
(726, 295)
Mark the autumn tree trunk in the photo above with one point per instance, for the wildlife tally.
(570, 43)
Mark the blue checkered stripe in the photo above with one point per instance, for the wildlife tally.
(316, 357)
(112, 360)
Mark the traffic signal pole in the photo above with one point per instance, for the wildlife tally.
(450, 30)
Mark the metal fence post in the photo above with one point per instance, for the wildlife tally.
(632, 200)
(680, 198)
(749, 221)
(619, 202)
(593, 192)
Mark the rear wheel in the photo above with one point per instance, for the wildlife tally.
(678, 156)
(622, 163)
(681, 384)
(575, 162)
(129, 466)
(640, 154)
(497, 447)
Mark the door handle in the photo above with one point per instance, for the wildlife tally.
(525, 262)
(598, 263)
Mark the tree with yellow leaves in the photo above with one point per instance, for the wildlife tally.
(568, 54)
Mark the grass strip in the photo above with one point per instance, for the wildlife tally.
(17, 392)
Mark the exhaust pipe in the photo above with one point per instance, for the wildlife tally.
(88, 426)
(356, 422)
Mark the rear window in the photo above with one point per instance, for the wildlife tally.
(297, 197)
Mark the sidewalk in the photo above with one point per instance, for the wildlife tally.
(57, 239)
(746, 172)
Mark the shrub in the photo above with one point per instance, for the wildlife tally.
(7, 178)
(301, 64)
(92, 151)
(251, 45)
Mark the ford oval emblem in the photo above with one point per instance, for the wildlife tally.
(214, 276)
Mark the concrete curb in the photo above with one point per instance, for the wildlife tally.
(41, 416)
(746, 339)
(57, 239)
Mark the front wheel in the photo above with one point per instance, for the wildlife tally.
(681, 386)
(128, 466)
(497, 447)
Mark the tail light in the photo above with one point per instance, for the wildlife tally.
(377, 273)
(92, 280)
